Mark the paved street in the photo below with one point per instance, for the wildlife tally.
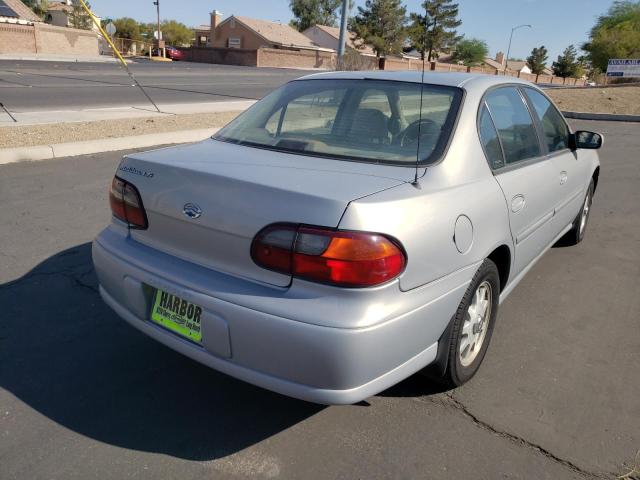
(32, 85)
(83, 395)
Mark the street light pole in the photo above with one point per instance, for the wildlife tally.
(157, 4)
(511, 38)
(343, 31)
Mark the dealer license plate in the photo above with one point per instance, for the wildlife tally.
(177, 315)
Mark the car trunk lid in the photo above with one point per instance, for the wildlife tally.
(205, 202)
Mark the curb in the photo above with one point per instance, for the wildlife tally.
(72, 149)
(35, 57)
(608, 117)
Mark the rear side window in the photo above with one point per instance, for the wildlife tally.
(556, 132)
(489, 139)
(514, 124)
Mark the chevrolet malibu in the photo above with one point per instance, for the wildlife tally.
(348, 230)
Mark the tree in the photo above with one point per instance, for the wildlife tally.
(470, 52)
(308, 13)
(381, 24)
(78, 17)
(176, 33)
(567, 64)
(127, 28)
(434, 32)
(537, 60)
(39, 7)
(615, 35)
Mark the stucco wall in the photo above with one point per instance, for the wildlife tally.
(273, 57)
(224, 56)
(43, 38)
(65, 41)
(17, 39)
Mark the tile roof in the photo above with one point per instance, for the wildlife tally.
(351, 40)
(23, 12)
(494, 64)
(515, 65)
(59, 7)
(277, 33)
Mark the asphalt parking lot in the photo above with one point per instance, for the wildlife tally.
(83, 395)
(35, 86)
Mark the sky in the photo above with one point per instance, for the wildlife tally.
(554, 23)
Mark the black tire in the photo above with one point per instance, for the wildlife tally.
(456, 373)
(576, 234)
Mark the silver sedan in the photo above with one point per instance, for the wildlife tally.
(348, 230)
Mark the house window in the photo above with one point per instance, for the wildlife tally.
(234, 42)
(232, 23)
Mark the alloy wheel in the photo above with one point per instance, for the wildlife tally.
(476, 322)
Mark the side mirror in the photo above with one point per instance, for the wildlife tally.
(585, 139)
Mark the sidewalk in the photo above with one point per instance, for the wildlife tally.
(135, 111)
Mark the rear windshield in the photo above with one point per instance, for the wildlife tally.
(364, 120)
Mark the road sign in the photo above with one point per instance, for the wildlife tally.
(110, 28)
(623, 67)
(155, 35)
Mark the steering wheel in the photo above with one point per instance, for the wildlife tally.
(422, 127)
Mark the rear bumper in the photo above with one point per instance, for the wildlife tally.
(313, 362)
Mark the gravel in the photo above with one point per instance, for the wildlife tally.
(49, 134)
(619, 100)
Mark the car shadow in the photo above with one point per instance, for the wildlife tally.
(564, 241)
(68, 356)
(64, 353)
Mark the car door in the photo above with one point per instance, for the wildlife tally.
(525, 175)
(571, 175)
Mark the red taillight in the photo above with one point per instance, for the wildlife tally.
(126, 204)
(349, 259)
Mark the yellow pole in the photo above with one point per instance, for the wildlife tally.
(116, 51)
(102, 32)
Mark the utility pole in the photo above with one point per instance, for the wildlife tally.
(157, 4)
(506, 64)
(343, 31)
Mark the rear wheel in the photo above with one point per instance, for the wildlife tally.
(473, 325)
(576, 234)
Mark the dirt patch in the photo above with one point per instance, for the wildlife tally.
(49, 134)
(620, 100)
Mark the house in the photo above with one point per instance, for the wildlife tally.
(16, 12)
(329, 37)
(518, 65)
(59, 14)
(202, 36)
(250, 33)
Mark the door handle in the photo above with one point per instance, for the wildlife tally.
(517, 203)
(563, 177)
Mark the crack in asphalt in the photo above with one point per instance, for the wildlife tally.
(458, 405)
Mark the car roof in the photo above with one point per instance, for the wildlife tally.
(466, 80)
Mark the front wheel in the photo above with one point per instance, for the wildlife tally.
(473, 325)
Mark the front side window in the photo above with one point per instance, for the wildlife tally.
(366, 120)
(556, 132)
(514, 124)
